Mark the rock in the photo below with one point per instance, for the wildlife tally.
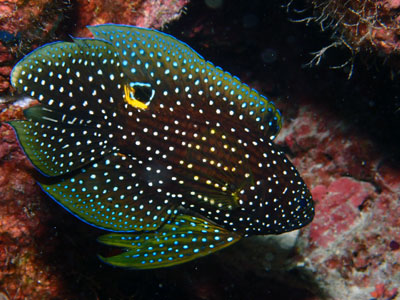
(348, 245)
(351, 249)
(143, 13)
(360, 26)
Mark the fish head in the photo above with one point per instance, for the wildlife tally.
(244, 182)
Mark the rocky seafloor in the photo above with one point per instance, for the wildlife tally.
(340, 132)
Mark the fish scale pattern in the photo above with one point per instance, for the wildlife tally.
(179, 71)
(142, 137)
(114, 194)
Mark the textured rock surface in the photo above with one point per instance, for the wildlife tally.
(22, 219)
(144, 13)
(24, 25)
(341, 135)
(356, 190)
(372, 25)
(366, 26)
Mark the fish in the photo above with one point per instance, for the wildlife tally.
(137, 134)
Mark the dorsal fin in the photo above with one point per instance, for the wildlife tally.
(176, 69)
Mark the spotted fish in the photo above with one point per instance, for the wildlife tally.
(142, 137)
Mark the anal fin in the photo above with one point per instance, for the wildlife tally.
(180, 240)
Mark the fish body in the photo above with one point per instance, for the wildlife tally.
(140, 136)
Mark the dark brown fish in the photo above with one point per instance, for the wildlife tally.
(146, 139)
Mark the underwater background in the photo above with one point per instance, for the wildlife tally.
(340, 129)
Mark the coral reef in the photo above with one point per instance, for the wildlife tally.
(23, 26)
(339, 133)
(144, 13)
(362, 24)
(22, 219)
(366, 26)
(356, 193)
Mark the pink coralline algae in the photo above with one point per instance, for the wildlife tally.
(22, 219)
(367, 27)
(350, 250)
(381, 292)
(143, 13)
(23, 24)
(362, 24)
(351, 242)
(339, 203)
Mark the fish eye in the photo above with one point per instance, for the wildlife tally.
(173, 180)
(142, 92)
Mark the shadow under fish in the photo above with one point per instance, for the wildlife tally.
(142, 137)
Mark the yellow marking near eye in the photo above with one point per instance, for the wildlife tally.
(129, 98)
